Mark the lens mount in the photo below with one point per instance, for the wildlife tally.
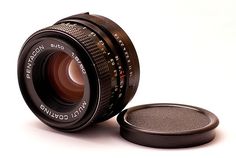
(81, 70)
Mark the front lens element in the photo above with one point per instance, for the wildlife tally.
(65, 77)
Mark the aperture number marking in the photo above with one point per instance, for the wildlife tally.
(76, 58)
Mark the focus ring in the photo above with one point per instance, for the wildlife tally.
(100, 63)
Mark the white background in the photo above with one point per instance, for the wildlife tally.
(187, 52)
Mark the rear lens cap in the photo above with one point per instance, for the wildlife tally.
(167, 125)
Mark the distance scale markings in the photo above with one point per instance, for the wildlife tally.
(126, 53)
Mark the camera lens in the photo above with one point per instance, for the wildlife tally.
(81, 70)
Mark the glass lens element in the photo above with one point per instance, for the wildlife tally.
(65, 77)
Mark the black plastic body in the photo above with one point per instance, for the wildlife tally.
(106, 53)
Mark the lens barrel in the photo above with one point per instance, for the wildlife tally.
(81, 70)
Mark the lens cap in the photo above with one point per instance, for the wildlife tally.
(167, 125)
